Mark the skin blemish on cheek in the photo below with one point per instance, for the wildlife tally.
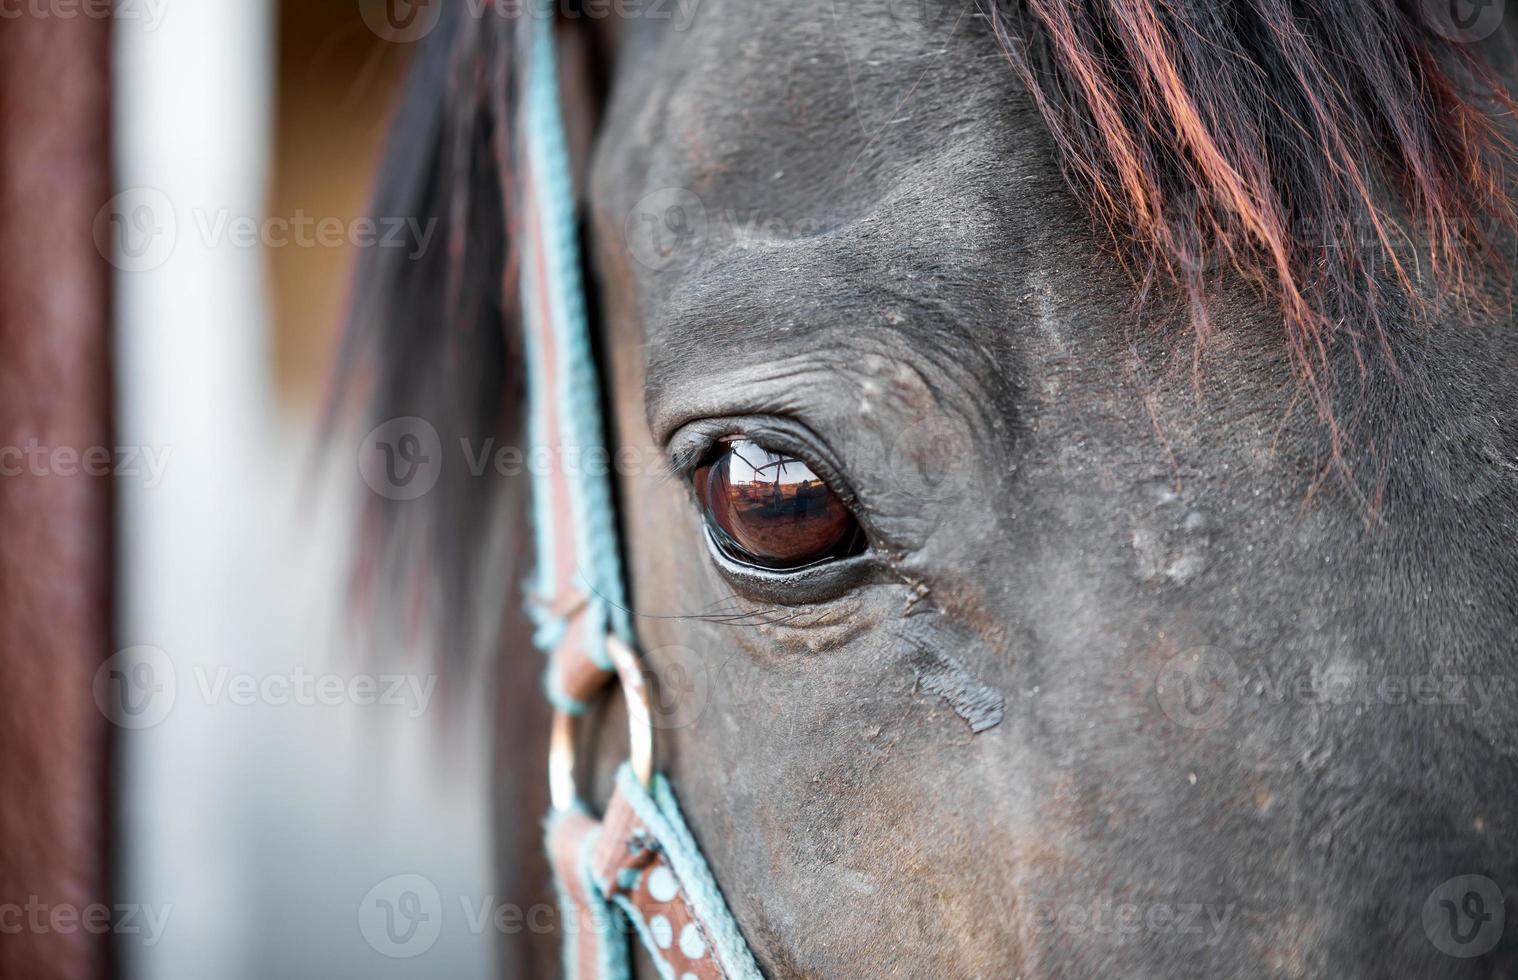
(1170, 539)
(925, 641)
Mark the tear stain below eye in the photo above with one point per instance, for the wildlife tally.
(941, 673)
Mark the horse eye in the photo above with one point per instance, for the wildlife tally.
(769, 509)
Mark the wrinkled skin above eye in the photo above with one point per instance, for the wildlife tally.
(770, 509)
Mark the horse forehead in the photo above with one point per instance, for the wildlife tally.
(808, 111)
(876, 158)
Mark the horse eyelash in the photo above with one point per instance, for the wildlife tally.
(687, 455)
(682, 462)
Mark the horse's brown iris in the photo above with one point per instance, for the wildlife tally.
(770, 509)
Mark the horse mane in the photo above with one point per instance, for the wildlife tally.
(1335, 154)
(436, 336)
(1327, 152)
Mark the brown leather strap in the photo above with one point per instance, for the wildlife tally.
(624, 844)
(583, 916)
(640, 863)
(630, 862)
(575, 674)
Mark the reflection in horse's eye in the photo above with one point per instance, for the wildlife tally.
(770, 509)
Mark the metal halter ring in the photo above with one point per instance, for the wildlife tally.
(640, 730)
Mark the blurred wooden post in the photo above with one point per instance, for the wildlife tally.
(55, 520)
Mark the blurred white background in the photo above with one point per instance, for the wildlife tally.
(259, 828)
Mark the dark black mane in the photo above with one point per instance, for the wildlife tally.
(436, 335)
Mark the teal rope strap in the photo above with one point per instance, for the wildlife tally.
(578, 410)
(657, 808)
